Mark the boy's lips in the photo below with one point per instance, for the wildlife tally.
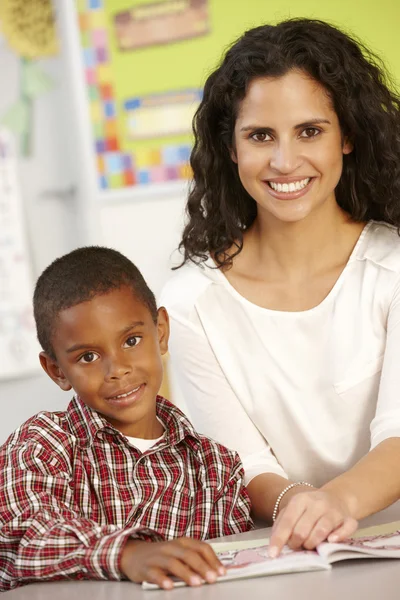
(126, 396)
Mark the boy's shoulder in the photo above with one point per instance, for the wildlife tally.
(44, 438)
(219, 459)
(39, 427)
(208, 451)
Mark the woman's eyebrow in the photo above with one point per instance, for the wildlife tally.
(311, 122)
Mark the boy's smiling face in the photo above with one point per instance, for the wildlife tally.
(108, 350)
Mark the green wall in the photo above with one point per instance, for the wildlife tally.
(187, 63)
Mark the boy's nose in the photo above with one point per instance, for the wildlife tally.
(117, 369)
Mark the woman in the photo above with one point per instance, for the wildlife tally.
(286, 314)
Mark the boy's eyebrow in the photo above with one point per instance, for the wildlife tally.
(299, 126)
(76, 347)
(132, 326)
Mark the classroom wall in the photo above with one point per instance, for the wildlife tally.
(46, 180)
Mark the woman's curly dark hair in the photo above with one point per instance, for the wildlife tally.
(219, 209)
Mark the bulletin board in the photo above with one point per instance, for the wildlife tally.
(145, 62)
(142, 134)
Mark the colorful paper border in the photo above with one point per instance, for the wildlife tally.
(117, 168)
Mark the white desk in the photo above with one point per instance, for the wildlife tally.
(359, 579)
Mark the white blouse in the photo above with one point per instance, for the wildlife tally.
(301, 394)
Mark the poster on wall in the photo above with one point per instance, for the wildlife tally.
(139, 139)
(161, 115)
(18, 345)
(161, 23)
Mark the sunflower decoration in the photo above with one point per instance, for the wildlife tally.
(28, 26)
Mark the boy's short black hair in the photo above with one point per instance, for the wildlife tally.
(78, 277)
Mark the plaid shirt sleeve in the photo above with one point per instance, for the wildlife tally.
(231, 513)
(42, 534)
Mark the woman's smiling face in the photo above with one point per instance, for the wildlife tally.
(288, 146)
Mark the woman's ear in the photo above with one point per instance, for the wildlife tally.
(348, 146)
(163, 329)
(54, 372)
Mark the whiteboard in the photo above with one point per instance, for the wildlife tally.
(18, 346)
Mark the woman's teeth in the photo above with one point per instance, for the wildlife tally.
(293, 186)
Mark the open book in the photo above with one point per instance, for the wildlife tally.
(249, 558)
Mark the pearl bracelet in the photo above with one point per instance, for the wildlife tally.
(283, 492)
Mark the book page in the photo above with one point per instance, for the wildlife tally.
(377, 529)
(386, 545)
(248, 559)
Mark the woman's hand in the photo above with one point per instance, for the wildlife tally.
(310, 518)
(191, 560)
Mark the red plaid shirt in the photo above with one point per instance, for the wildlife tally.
(73, 490)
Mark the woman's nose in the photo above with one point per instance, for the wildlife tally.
(284, 158)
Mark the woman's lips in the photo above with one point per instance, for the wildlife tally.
(290, 195)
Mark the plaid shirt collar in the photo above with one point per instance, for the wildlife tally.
(86, 423)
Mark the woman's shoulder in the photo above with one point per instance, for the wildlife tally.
(186, 285)
(381, 245)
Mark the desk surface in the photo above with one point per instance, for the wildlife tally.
(366, 579)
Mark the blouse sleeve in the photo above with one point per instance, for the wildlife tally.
(212, 404)
(386, 423)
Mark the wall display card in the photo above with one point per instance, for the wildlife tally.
(159, 115)
(161, 23)
(18, 346)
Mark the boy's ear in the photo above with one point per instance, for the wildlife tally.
(54, 372)
(163, 329)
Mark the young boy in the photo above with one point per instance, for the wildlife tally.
(83, 491)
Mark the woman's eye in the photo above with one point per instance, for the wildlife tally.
(132, 341)
(89, 357)
(260, 136)
(310, 132)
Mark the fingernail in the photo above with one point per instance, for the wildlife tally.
(211, 576)
(333, 538)
(195, 580)
(221, 570)
(167, 584)
(273, 552)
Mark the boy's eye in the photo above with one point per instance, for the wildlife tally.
(132, 341)
(89, 357)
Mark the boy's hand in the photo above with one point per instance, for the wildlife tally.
(309, 519)
(188, 559)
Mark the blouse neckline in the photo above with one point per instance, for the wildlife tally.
(219, 275)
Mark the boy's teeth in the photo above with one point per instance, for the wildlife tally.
(127, 394)
(293, 186)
